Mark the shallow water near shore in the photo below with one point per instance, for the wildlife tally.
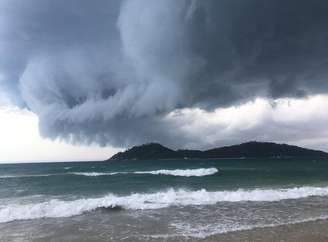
(158, 200)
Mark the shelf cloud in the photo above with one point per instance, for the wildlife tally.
(123, 72)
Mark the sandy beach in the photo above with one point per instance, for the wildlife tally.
(316, 231)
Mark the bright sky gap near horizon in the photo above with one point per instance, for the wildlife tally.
(81, 81)
(19, 129)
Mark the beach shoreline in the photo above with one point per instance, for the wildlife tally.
(313, 231)
(166, 201)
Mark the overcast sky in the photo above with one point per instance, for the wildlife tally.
(80, 80)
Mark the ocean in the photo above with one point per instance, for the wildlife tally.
(162, 200)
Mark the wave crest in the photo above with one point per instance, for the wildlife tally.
(182, 172)
(27, 176)
(139, 201)
(178, 172)
(95, 173)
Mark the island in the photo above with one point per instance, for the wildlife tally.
(253, 149)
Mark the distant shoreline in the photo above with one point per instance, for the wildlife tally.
(249, 150)
(223, 158)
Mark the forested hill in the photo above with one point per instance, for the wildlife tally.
(246, 150)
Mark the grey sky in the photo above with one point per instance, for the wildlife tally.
(111, 72)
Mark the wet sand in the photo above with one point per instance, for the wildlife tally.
(303, 232)
(316, 231)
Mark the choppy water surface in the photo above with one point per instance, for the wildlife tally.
(156, 200)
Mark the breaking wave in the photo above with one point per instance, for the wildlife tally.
(177, 172)
(180, 172)
(26, 176)
(140, 201)
(96, 173)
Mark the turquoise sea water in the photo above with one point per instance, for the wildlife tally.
(156, 200)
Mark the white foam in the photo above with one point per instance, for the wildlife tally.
(61, 174)
(95, 173)
(26, 175)
(171, 197)
(182, 172)
(178, 172)
(204, 231)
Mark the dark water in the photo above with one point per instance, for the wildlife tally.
(156, 200)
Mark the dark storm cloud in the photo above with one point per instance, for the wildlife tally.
(109, 71)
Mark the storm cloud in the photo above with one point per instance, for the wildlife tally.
(112, 72)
